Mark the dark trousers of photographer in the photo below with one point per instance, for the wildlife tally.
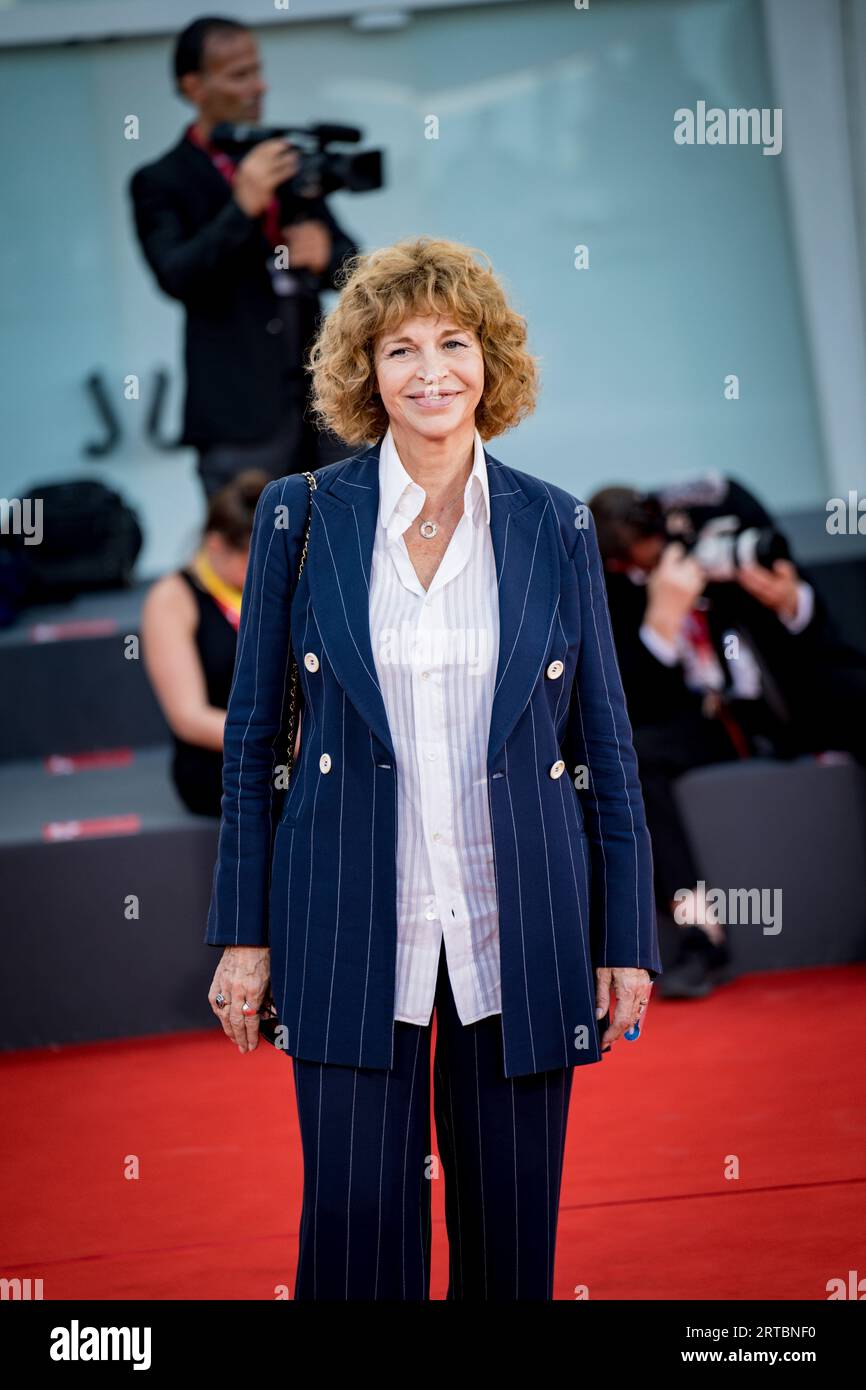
(292, 448)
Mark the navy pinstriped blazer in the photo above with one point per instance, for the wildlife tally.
(312, 872)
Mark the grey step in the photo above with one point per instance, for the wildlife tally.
(72, 694)
(77, 968)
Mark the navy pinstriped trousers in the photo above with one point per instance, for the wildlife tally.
(368, 1165)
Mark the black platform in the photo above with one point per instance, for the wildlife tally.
(76, 848)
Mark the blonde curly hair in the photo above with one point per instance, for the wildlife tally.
(379, 290)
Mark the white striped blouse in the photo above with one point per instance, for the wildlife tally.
(436, 653)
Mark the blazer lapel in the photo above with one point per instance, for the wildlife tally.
(342, 532)
(339, 559)
(527, 566)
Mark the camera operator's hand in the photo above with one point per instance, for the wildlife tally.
(261, 172)
(673, 587)
(310, 245)
(776, 588)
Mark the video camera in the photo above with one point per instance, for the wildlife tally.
(322, 170)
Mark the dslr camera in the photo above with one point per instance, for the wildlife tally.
(701, 515)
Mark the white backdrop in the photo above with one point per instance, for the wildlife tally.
(555, 128)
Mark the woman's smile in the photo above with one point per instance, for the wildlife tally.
(439, 400)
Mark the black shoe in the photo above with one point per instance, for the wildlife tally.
(699, 965)
(719, 967)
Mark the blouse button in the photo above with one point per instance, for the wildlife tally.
(311, 661)
(557, 768)
(325, 762)
(555, 669)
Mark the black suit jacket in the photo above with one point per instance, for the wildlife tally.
(205, 251)
(657, 693)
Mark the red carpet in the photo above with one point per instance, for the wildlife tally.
(769, 1070)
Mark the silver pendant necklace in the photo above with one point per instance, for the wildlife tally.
(428, 529)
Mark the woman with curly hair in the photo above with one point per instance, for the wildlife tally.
(455, 659)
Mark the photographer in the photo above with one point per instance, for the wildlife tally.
(209, 228)
(725, 652)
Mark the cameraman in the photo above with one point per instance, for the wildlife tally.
(209, 228)
(721, 659)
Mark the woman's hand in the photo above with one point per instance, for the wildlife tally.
(632, 988)
(241, 976)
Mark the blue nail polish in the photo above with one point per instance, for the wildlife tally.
(633, 1033)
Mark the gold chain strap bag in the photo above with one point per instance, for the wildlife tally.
(293, 696)
(268, 1019)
